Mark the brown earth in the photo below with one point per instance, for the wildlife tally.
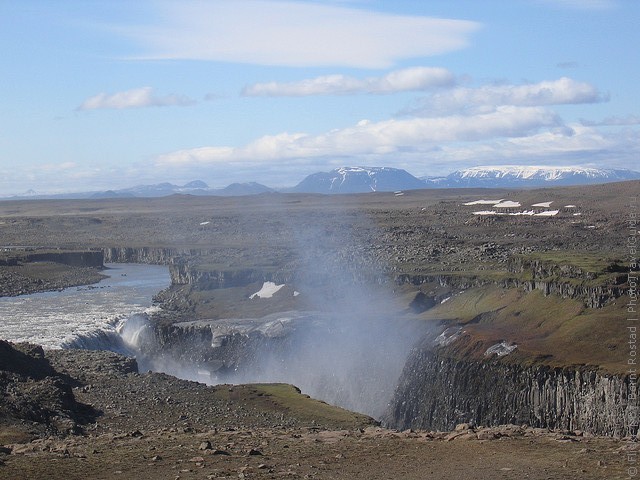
(32, 277)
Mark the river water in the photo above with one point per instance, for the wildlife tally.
(86, 316)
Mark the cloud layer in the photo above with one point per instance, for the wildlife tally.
(408, 79)
(379, 138)
(489, 114)
(452, 127)
(135, 98)
(287, 33)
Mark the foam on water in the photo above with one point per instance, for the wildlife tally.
(83, 317)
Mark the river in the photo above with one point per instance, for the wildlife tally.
(86, 316)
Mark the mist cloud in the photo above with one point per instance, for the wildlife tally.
(562, 91)
(135, 98)
(408, 79)
(613, 121)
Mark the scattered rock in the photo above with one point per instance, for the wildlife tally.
(220, 452)
(462, 426)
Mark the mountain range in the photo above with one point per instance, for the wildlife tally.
(380, 179)
(508, 176)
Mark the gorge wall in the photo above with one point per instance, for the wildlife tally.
(151, 255)
(437, 392)
(564, 281)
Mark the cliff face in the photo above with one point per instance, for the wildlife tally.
(185, 274)
(593, 296)
(438, 392)
(156, 256)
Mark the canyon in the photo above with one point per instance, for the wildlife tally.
(547, 294)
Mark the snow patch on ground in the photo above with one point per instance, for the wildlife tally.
(500, 349)
(205, 223)
(543, 204)
(547, 213)
(267, 291)
(484, 202)
(507, 204)
(487, 212)
(447, 336)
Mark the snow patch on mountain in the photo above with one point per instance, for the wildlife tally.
(359, 180)
(530, 176)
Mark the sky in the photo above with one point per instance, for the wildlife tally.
(108, 94)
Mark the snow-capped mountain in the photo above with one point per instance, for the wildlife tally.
(529, 176)
(374, 179)
(359, 180)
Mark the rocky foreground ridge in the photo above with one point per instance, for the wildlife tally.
(97, 417)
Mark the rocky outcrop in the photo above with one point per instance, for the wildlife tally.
(596, 296)
(32, 390)
(216, 347)
(437, 392)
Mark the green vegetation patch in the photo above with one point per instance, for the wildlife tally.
(291, 402)
(548, 330)
(596, 263)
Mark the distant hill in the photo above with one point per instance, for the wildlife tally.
(112, 194)
(359, 180)
(516, 176)
(239, 189)
(197, 187)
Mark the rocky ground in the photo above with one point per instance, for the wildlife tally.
(32, 277)
(116, 423)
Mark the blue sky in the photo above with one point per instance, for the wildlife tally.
(108, 94)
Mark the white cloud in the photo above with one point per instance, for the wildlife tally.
(135, 98)
(408, 79)
(273, 32)
(373, 138)
(554, 92)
